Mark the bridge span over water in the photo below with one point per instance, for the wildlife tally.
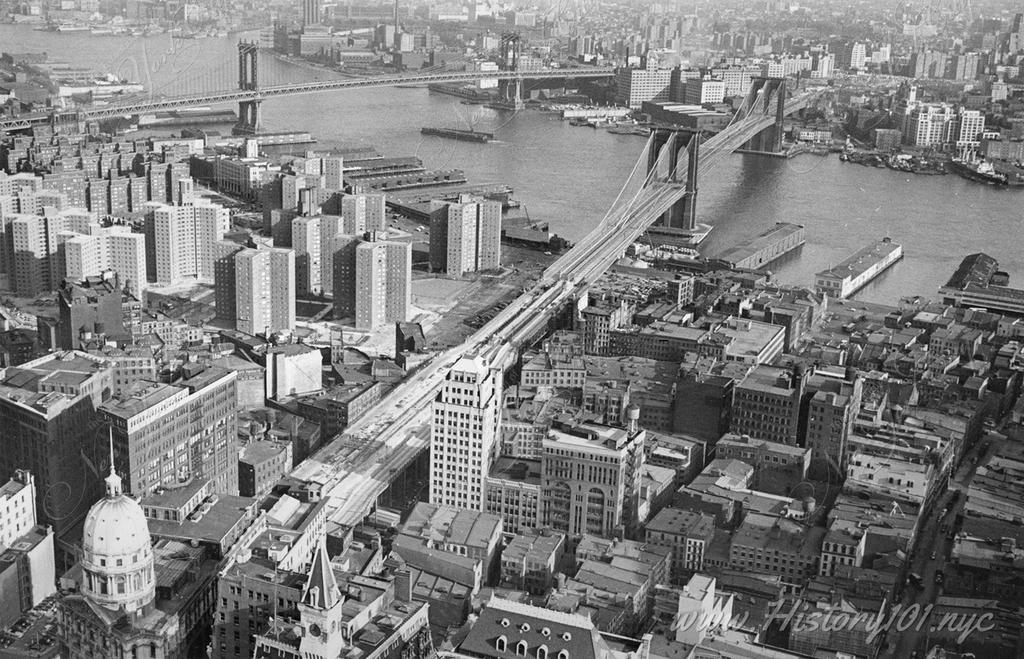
(251, 91)
(358, 466)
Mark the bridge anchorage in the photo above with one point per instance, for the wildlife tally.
(248, 80)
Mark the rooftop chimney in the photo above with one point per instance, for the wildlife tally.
(403, 585)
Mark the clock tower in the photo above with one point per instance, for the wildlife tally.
(320, 610)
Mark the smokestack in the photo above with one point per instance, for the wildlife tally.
(396, 20)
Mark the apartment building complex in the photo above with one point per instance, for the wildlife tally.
(383, 283)
(467, 237)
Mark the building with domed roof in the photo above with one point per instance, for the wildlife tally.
(132, 597)
(117, 556)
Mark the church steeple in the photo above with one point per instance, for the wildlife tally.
(321, 590)
(320, 611)
(113, 481)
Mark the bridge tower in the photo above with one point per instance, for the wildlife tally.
(773, 99)
(71, 123)
(687, 207)
(679, 224)
(248, 80)
(511, 91)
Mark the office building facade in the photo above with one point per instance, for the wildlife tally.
(166, 435)
(590, 480)
(464, 435)
(48, 413)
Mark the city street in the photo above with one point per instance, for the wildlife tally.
(931, 539)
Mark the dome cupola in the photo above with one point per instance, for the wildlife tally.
(117, 556)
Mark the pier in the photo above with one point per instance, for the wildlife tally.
(763, 249)
(858, 269)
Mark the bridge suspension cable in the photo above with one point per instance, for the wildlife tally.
(353, 494)
(624, 225)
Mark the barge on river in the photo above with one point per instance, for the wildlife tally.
(457, 134)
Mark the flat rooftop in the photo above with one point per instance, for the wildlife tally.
(744, 336)
(460, 527)
(343, 393)
(523, 470)
(597, 437)
(644, 374)
(862, 260)
(11, 487)
(680, 521)
(141, 398)
(174, 497)
(258, 452)
(261, 568)
(762, 241)
(768, 379)
(205, 378)
(215, 524)
(1000, 293)
(732, 439)
(769, 531)
(536, 546)
(290, 513)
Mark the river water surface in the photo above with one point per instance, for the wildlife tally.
(569, 176)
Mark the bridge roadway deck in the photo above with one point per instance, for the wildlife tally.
(355, 468)
(157, 104)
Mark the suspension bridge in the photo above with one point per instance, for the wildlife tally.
(218, 85)
(359, 465)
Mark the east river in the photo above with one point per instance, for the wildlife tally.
(569, 176)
